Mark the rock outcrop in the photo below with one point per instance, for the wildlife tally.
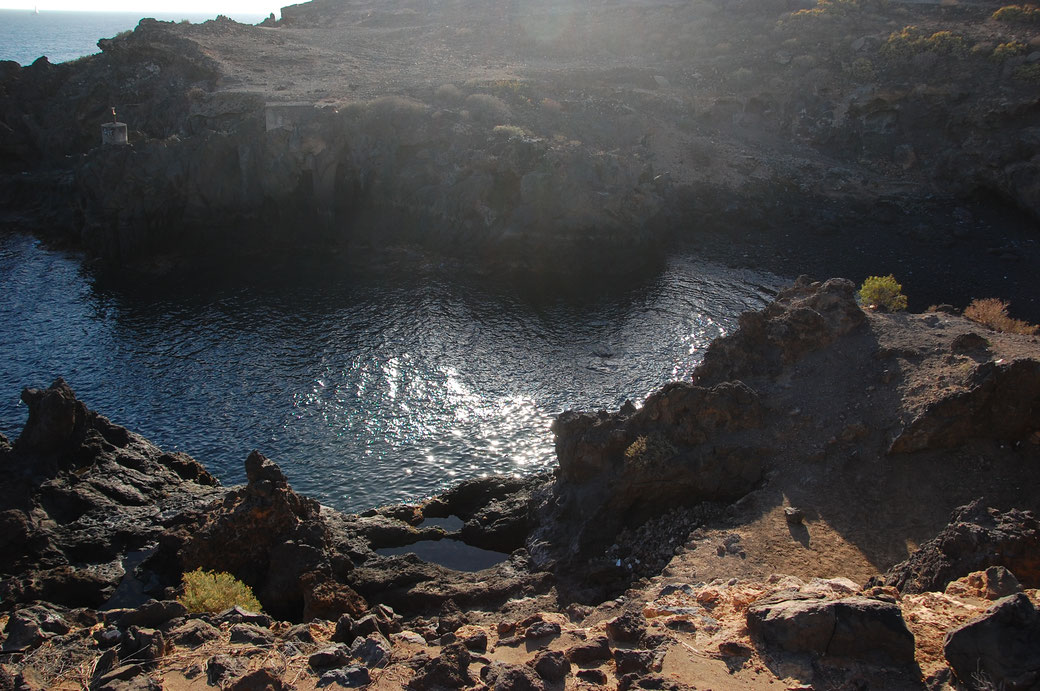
(976, 539)
(272, 539)
(83, 501)
(1000, 400)
(805, 317)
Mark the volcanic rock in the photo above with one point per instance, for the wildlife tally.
(503, 676)
(271, 538)
(975, 539)
(1001, 401)
(551, 665)
(853, 627)
(450, 669)
(999, 649)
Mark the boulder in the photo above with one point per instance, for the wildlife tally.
(330, 656)
(193, 634)
(975, 539)
(260, 680)
(551, 665)
(221, 668)
(1000, 649)
(626, 628)
(27, 628)
(633, 661)
(596, 649)
(852, 627)
(371, 651)
(250, 634)
(151, 614)
(351, 677)
(450, 669)
(503, 676)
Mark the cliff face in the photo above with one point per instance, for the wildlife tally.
(543, 138)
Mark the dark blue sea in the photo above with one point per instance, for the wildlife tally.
(368, 381)
(62, 36)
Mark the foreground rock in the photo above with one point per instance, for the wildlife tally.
(855, 627)
(273, 540)
(1000, 648)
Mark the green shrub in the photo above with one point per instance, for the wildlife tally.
(911, 41)
(1008, 50)
(208, 591)
(648, 450)
(1018, 14)
(1027, 73)
(862, 71)
(883, 293)
(992, 312)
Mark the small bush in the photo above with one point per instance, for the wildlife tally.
(648, 450)
(1018, 14)
(1027, 73)
(992, 312)
(862, 70)
(1008, 50)
(208, 591)
(489, 109)
(911, 41)
(883, 293)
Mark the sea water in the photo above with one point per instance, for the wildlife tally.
(368, 382)
(61, 36)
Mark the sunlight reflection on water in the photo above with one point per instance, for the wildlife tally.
(367, 384)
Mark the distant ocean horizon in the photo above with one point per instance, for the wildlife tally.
(63, 36)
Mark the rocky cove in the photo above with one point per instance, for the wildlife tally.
(824, 464)
(833, 498)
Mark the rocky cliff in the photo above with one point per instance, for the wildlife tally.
(550, 137)
(735, 527)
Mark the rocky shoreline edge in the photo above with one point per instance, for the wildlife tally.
(784, 518)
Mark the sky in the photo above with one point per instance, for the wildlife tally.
(143, 7)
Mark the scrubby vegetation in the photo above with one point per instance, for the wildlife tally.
(1018, 14)
(910, 41)
(647, 450)
(1008, 50)
(208, 591)
(883, 293)
(993, 313)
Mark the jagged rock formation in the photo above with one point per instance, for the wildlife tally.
(81, 496)
(804, 317)
(977, 538)
(273, 540)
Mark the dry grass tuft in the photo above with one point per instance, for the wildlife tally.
(992, 312)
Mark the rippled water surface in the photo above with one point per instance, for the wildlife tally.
(368, 384)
